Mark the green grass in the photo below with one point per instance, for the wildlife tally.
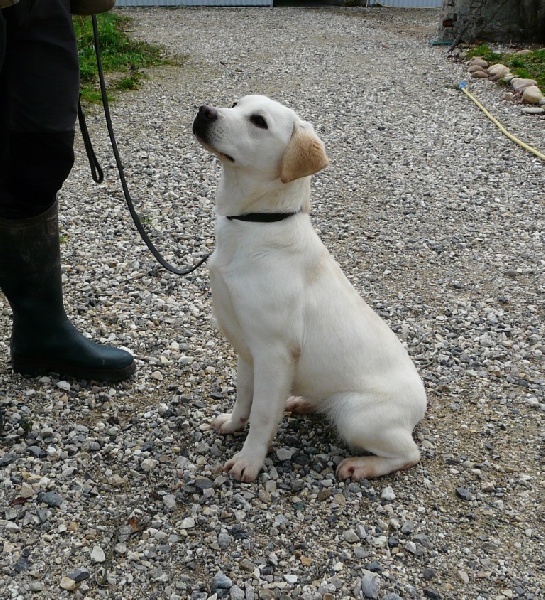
(26, 425)
(531, 65)
(122, 57)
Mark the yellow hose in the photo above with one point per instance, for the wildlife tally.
(463, 87)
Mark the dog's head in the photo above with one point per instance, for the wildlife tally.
(261, 136)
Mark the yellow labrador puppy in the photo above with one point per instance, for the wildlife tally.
(297, 324)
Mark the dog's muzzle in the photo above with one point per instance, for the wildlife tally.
(204, 119)
(202, 129)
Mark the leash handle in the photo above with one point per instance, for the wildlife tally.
(136, 219)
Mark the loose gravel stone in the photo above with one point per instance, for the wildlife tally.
(50, 498)
(169, 500)
(79, 575)
(236, 593)
(68, 584)
(388, 494)
(222, 582)
(370, 584)
(435, 217)
(97, 554)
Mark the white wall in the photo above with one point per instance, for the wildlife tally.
(193, 3)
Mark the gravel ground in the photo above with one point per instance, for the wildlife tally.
(436, 217)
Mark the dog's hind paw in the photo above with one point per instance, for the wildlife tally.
(224, 424)
(243, 468)
(354, 469)
(299, 406)
(369, 467)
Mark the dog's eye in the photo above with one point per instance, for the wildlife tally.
(234, 104)
(259, 121)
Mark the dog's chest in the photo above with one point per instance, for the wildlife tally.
(227, 311)
(224, 280)
(259, 275)
(249, 275)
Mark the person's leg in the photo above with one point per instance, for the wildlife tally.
(3, 107)
(39, 87)
(39, 91)
(2, 39)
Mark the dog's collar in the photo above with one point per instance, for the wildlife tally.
(263, 217)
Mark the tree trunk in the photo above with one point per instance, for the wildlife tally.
(493, 20)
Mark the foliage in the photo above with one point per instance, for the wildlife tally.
(26, 425)
(122, 56)
(484, 51)
(530, 65)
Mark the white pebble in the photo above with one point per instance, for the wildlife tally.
(388, 494)
(97, 554)
(169, 500)
(148, 464)
(188, 523)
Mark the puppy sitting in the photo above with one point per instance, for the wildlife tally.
(297, 324)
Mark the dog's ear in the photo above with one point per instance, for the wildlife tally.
(304, 156)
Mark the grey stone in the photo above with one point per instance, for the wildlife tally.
(36, 586)
(222, 582)
(50, 498)
(203, 483)
(224, 540)
(407, 527)
(22, 565)
(236, 593)
(80, 574)
(370, 585)
(351, 536)
(36, 451)
(7, 459)
(463, 494)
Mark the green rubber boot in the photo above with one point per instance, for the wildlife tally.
(43, 338)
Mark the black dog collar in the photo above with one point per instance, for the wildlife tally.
(262, 217)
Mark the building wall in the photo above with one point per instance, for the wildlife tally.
(408, 3)
(491, 20)
(120, 3)
(391, 3)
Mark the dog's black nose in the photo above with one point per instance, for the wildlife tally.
(208, 112)
(203, 121)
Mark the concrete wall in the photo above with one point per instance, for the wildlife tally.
(120, 3)
(389, 3)
(494, 20)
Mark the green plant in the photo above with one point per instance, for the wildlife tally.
(517, 62)
(26, 425)
(529, 65)
(484, 51)
(122, 57)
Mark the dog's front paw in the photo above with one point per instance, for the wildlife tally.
(242, 467)
(225, 424)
